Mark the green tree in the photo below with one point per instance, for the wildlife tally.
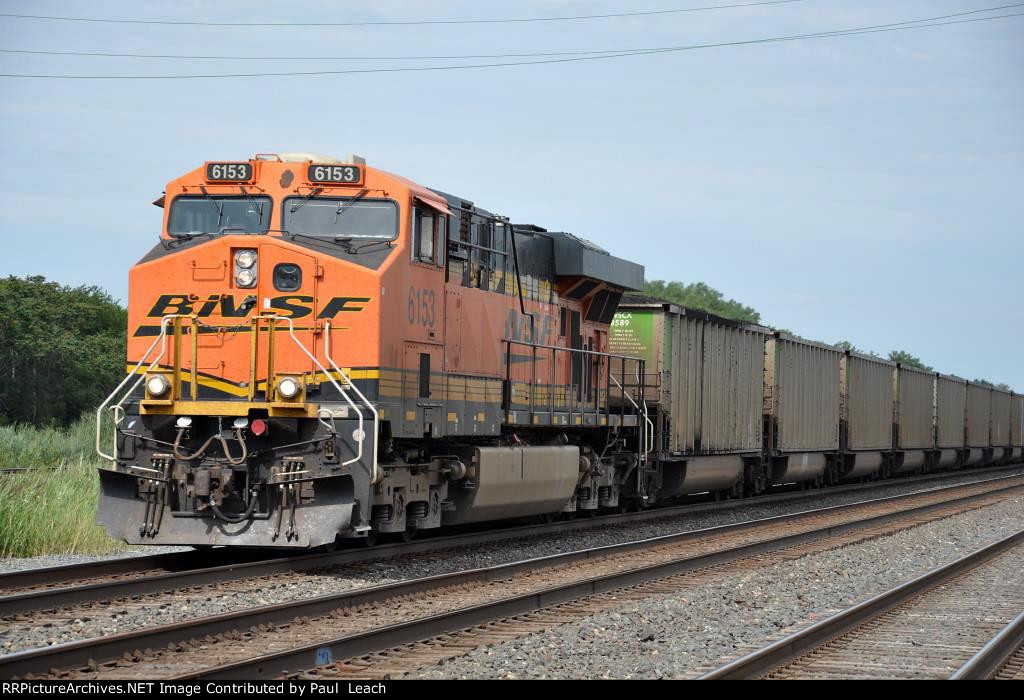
(62, 349)
(905, 358)
(700, 296)
(1001, 386)
(847, 345)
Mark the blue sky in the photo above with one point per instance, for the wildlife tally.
(864, 187)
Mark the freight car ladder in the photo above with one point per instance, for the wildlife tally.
(535, 391)
(647, 427)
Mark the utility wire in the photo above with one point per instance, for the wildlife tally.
(893, 27)
(627, 51)
(392, 23)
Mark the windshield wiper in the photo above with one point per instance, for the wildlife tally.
(345, 204)
(219, 207)
(179, 238)
(346, 241)
(312, 193)
(318, 239)
(258, 206)
(183, 237)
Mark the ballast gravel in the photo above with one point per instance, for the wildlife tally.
(45, 561)
(676, 635)
(107, 618)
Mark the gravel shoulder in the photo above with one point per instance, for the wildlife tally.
(103, 619)
(676, 635)
(48, 560)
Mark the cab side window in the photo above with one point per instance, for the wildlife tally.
(428, 232)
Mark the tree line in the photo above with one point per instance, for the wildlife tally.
(62, 350)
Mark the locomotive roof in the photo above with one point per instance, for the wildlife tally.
(574, 256)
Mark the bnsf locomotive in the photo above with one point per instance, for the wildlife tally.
(318, 349)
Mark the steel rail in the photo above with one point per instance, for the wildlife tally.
(76, 654)
(181, 572)
(991, 657)
(783, 651)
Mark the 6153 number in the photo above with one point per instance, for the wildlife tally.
(420, 308)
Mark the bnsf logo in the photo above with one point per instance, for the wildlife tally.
(224, 305)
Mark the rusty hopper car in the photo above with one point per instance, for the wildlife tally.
(801, 409)
(866, 415)
(914, 419)
(978, 421)
(999, 430)
(705, 379)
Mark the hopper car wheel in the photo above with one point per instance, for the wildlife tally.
(370, 539)
(329, 547)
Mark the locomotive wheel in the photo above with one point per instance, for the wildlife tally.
(370, 539)
(408, 534)
(630, 505)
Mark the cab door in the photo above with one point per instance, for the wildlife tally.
(424, 379)
(287, 286)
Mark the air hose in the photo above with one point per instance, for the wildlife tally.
(202, 450)
(236, 518)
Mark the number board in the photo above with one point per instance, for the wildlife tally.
(229, 172)
(335, 174)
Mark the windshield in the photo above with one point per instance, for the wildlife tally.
(215, 214)
(342, 217)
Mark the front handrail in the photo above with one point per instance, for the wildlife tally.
(291, 331)
(139, 378)
(374, 470)
(118, 411)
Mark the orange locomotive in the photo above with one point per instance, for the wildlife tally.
(320, 349)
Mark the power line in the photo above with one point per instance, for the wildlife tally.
(308, 58)
(631, 52)
(103, 54)
(385, 23)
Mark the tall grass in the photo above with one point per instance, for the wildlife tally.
(50, 511)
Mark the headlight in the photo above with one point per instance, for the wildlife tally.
(288, 388)
(157, 385)
(245, 258)
(245, 278)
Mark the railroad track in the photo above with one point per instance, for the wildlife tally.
(397, 626)
(8, 471)
(929, 627)
(55, 588)
(1002, 658)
